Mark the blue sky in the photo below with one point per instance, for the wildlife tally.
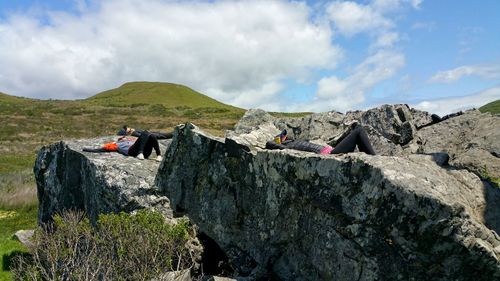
(440, 56)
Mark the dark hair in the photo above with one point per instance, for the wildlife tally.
(122, 131)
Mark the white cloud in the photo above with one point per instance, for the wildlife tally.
(484, 71)
(263, 96)
(339, 94)
(428, 26)
(416, 3)
(453, 104)
(387, 39)
(233, 50)
(351, 18)
(386, 5)
(392, 5)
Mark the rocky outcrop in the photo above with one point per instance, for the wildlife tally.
(96, 183)
(299, 216)
(416, 211)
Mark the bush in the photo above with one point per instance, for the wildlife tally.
(118, 247)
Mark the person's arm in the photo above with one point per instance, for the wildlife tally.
(107, 147)
(90, 149)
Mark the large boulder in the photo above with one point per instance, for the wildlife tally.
(96, 183)
(294, 215)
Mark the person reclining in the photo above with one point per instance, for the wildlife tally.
(140, 147)
(127, 131)
(357, 137)
(436, 119)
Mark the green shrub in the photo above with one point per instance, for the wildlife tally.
(119, 247)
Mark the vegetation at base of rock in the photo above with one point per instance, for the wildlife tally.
(492, 107)
(11, 220)
(485, 175)
(119, 247)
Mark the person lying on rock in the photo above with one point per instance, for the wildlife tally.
(436, 119)
(127, 131)
(356, 137)
(140, 147)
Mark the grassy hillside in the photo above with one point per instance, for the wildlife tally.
(4, 98)
(493, 107)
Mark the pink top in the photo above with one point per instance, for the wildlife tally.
(326, 150)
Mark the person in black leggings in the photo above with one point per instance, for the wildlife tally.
(144, 145)
(357, 137)
(140, 147)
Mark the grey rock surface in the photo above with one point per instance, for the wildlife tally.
(471, 140)
(96, 183)
(301, 216)
(184, 275)
(24, 236)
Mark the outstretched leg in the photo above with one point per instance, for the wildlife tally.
(162, 136)
(357, 137)
(152, 142)
(140, 145)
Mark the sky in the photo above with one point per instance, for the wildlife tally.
(440, 56)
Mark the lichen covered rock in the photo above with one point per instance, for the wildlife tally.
(96, 183)
(301, 216)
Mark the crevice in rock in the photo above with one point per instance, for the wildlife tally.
(492, 211)
(401, 114)
(214, 261)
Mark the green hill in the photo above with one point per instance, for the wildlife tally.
(4, 98)
(150, 93)
(493, 107)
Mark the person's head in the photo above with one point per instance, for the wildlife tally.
(125, 131)
(281, 137)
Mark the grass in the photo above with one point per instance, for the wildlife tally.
(15, 163)
(290, 114)
(11, 220)
(492, 107)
